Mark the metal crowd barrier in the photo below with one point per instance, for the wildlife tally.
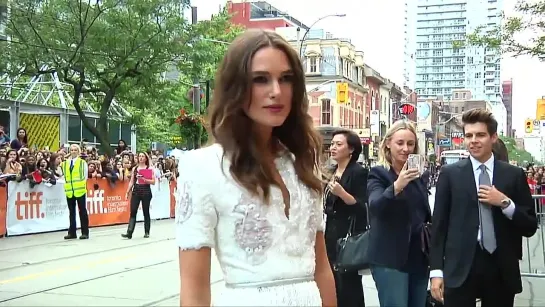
(533, 255)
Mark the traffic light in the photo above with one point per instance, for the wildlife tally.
(529, 126)
(407, 109)
(342, 92)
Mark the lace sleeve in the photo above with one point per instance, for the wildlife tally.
(319, 213)
(196, 216)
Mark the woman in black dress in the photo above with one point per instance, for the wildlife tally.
(140, 192)
(344, 199)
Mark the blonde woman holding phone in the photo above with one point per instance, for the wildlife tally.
(399, 211)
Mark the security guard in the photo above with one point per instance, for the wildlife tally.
(75, 171)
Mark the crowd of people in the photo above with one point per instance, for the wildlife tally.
(80, 167)
(536, 179)
(19, 161)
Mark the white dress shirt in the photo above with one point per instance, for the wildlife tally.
(508, 211)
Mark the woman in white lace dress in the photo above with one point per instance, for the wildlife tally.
(254, 196)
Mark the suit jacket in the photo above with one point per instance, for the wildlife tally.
(390, 219)
(354, 181)
(456, 222)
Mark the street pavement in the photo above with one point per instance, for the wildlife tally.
(45, 270)
(106, 270)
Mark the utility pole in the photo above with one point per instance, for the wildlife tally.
(196, 86)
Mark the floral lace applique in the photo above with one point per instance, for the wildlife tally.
(184, 203)
(253, 232)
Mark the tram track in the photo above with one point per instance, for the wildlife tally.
(87, 280)
(102, 233)
(41, 262)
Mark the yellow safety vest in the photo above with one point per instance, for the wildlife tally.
(76, 183)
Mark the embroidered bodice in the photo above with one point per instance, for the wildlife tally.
(255, 243)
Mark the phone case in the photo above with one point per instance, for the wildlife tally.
(415, 162)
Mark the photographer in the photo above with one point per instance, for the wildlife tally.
(12, 164)
(29, 166)
(42, 174)
(55, 161)
(11, 167)
(109, 173)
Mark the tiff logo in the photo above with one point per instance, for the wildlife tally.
(29, 206)
(95, 202)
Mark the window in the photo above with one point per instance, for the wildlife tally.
(313, 65)
(113, 131)
(85, 133)
(326, 112)
(126, 133)
(74, 128)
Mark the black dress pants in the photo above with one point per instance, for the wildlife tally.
(484, 281)
(83, 216)
(145, 199)
(349, 289)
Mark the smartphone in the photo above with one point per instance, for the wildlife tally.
(415, 162)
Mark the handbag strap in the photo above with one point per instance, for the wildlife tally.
(352, 226)
(352, 218)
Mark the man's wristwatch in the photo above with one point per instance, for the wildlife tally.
(505, 203)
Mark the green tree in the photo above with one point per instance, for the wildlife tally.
(515, 153)
(156, 122)
(510, 36)
(108, 47)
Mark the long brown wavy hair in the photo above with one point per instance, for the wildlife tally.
(233, 129)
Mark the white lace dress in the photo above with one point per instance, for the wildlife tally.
(266, 258)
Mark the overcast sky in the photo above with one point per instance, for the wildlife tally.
(376, 27)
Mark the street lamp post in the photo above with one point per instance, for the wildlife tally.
(312, 25)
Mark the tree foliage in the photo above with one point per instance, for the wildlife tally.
(156, 123)
(115, 49)
(511, 35)
(517, 154)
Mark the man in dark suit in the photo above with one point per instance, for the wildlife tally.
(483, 207)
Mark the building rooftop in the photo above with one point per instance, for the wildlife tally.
(263, 9)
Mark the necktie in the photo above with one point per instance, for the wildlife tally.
(488, 236)
(71, 164)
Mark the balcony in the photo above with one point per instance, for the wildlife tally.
(373, 74)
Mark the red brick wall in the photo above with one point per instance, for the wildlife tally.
(241, 16)
(315, 110)
(374, 89)
(347, 118)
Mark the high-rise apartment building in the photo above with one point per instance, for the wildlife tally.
(444, 62)
(409, 61)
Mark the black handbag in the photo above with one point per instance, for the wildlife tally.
(425, 237)
(352, 249)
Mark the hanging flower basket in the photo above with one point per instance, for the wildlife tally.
(191, 125)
